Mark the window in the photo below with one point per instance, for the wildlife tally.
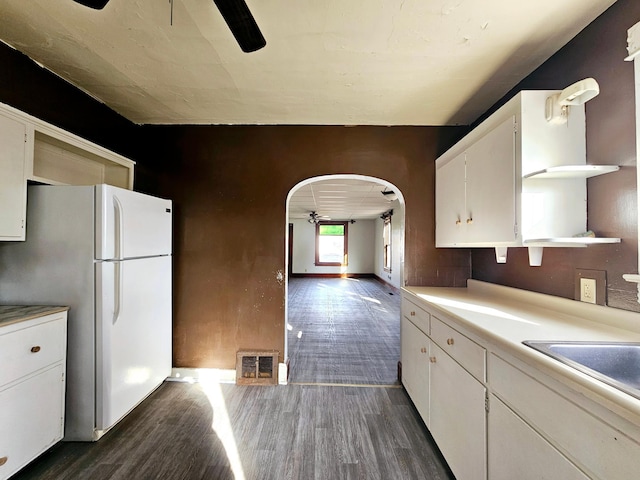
(331, 243)
(386, 240)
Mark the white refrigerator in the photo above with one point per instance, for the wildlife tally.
(106, 253)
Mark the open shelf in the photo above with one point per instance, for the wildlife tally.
(568, 241)
(572, 171)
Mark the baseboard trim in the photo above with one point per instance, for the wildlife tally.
(196, 375)
(395, 289)
(334, 275)
(217, 375)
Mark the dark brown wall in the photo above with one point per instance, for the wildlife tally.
(230, 185)
(598, 52)
(34, 90)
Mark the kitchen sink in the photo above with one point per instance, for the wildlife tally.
(615, 363)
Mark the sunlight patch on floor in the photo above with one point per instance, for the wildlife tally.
(222, 424)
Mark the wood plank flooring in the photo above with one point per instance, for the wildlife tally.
(343, 331)
(350, 336)
(222, 431)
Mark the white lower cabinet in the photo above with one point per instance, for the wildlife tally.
(415, 366)
(495, 416)
(566, 421)
(517, 451)
(30, 419)
(443, 372)
(32, 390)
(457, 416)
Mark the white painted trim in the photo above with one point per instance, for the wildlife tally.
(400, 261)
(633, 48)
(196, 375)
(633, 42)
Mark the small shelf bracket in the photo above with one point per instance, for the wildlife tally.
(535, 256)
(501, 254)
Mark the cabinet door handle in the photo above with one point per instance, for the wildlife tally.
(449, 341)
(458, 222)
(3, 460)
(469, 221)
(35, 349)
(413, 314)
(432, 359)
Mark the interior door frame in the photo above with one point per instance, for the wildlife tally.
(289, 237)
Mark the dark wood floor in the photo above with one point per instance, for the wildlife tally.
(343, 331)
(302, 431)
(222, 431)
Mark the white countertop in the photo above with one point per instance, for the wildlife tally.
(505, 317)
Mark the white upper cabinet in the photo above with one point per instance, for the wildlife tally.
(451, 207)
(14, 148)
(475, 192)
(33, 150)
(517, 180)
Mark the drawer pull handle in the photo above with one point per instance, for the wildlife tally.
(432, 359)
(469, 221)
(449, 341)
(458, 222)
(3, 460)
(413, 314)
(423, 350)
(35, 349)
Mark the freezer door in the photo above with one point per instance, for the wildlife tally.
(131, 224)
(133, 341)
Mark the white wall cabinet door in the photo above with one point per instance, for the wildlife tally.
(13, 184)
(451, 211)
(457, 414)
(491, 186)
(518, 451)
(476, 192)
(415, 367)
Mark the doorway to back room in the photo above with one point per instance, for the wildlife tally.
(345, 258)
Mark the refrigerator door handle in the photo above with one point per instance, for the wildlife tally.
(119, 227)
(117, 291)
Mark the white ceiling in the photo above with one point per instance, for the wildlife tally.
(332, 62)
(340, 199)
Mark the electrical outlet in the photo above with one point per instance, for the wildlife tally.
(596, 292)
(588, 290)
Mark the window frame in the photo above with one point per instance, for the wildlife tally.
(345, 257)
(387, 236)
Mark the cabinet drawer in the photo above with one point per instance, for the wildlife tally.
(602, 451)
(31, 418)
(29, 349)
(418, 316)
(466, 352)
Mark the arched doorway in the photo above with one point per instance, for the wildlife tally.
(374, 217)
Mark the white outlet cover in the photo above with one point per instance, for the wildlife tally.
(588, 290)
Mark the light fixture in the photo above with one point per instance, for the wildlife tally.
(389, 195)
(557, 106)
(313, 218)
(386, 214)
(235, 13)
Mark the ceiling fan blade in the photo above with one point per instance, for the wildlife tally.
(97, 4)
(241, 23)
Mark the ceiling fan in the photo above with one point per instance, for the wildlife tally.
(235, 12)
(315, 218)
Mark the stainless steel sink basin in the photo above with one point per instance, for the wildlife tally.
(617, 364)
